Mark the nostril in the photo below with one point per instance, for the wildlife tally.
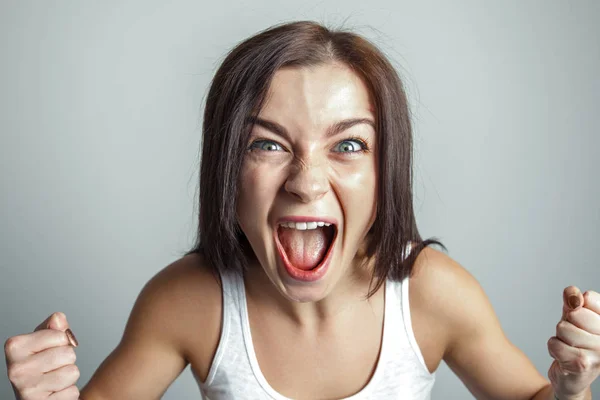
(307, 184)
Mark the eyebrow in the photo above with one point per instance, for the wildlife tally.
(334, 129)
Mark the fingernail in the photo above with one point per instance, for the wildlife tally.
(574, 301)
(72, 338)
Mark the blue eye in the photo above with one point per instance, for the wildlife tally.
(349, 146)
(265, 145)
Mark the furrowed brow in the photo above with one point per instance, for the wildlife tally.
(347, 124)
(333, 130)
(269, 125)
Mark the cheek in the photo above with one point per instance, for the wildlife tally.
(256, 192)
(358, 188)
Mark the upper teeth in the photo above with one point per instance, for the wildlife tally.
(304, 225)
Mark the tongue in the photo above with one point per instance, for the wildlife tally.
(304, 249)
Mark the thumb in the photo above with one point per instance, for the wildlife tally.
(572, 300)
(57, 321)
(573, 297)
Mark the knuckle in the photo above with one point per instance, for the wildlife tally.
(563, 335)
(71, 355)
(590, 296)
(562, 326)
(11, 345)
(16, 372)
(73, 372)
(551, 344)
(13, 373)
(31, 393)
(72, 391)
(65, 355)
(565, 339)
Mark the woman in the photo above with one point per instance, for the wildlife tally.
(309, 278)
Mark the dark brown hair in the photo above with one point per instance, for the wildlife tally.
(237, 93)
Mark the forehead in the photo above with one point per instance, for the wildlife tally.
(317, 95)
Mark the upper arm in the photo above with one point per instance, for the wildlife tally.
(476, 350)
(152, 351)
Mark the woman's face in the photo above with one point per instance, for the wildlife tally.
(310, 161)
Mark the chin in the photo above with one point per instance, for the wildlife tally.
(306, 294)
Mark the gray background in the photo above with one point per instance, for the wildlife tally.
(99, 137)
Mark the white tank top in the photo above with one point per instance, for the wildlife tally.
(400, 373)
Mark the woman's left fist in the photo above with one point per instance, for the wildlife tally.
(576, 346)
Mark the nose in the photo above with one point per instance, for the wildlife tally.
(307, 182)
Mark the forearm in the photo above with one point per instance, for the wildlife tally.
(547, 393)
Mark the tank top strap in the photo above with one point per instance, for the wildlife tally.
(229, 306)
(400, 318)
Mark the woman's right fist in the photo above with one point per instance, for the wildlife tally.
(41, 365)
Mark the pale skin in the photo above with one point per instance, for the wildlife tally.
(326, 325)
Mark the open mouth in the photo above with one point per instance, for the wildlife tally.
(305, 247)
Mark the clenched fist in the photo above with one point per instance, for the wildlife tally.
(576, 346)
(41, 365)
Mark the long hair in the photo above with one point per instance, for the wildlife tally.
(238, 91)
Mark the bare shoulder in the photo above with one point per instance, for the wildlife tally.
(186, 295)
(454, 320)
(176, 320)
(188, 278)
(440, 292)
(438, 283)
